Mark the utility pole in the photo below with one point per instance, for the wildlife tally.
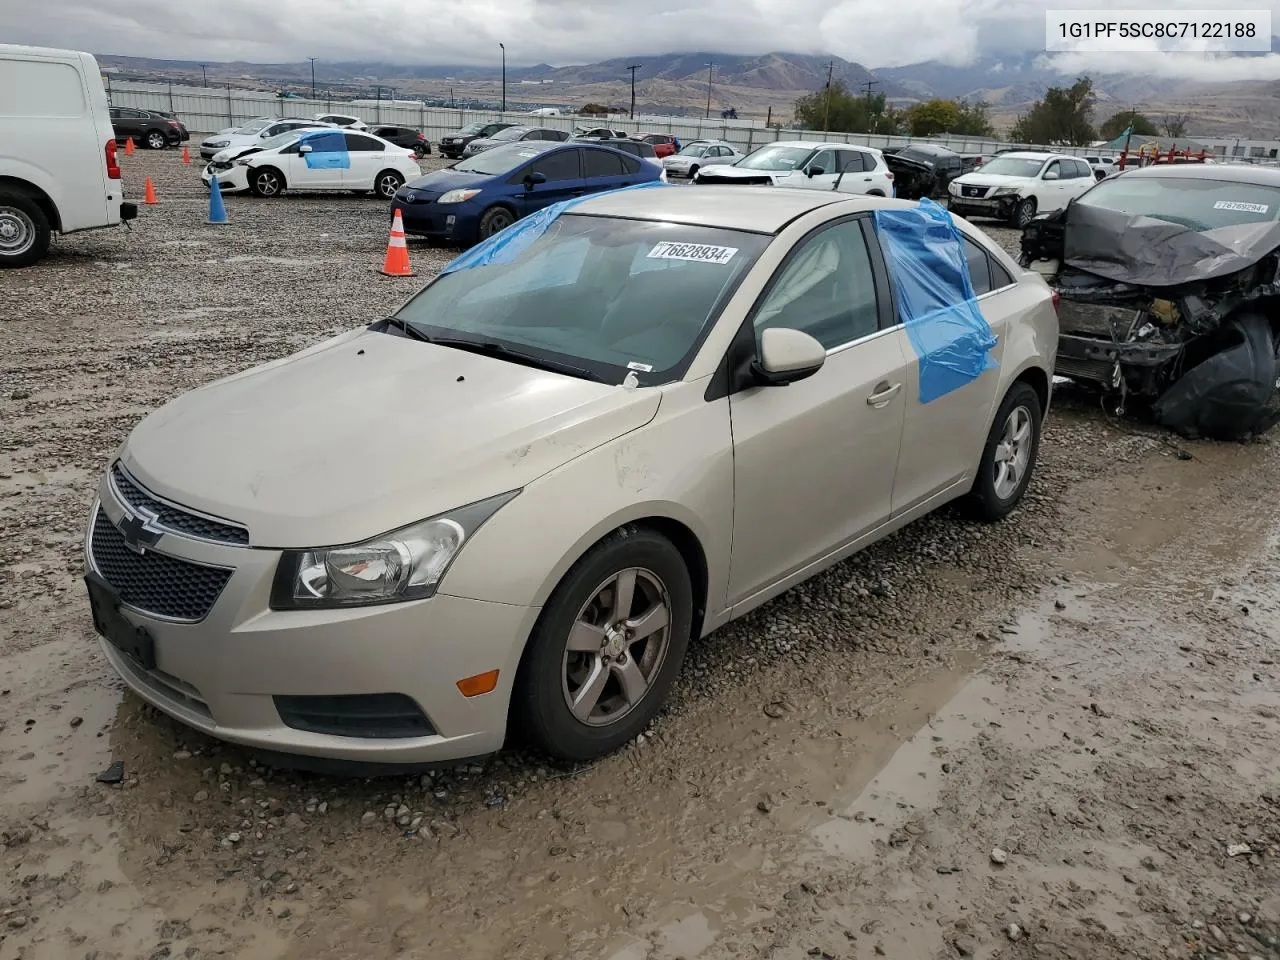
(633, 68)
(710, 67)
(504, 76)
(826, 110)
(868, 85)
(313, 77)
(204, 74)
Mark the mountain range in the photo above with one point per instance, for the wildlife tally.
(678, 82)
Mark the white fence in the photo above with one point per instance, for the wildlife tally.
(208, 109)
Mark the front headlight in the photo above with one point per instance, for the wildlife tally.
(953, 188)
(241, 163)
(1004, 191)
(406, 564)
(457, 196)
(218, 143)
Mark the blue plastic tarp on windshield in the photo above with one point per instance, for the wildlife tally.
(328, 150)
(936, 303)
(507, 245)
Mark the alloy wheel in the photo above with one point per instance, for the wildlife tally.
(1013, 452)
(616, 647)
(17, 232)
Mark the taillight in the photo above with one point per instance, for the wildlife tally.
(113, 165)
(889, 175)
(422, 136)
(174, 124)
(1056, 298)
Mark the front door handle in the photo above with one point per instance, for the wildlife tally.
(579, 193)
(883, 394)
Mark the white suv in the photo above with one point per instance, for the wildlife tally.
(809, 166)
(1018, 185)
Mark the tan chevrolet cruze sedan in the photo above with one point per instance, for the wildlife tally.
(512, 505)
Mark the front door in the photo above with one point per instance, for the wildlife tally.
(809, 178)
(814, 461)
(563, 170)
(321, 168)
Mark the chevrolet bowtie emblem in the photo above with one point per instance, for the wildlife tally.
(137, 531)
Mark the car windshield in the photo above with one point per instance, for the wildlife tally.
(502, 159)
(511, 133)
(600, 295)
(1194, 202)
(471, 129)
(776, 158)
(253, 126)
(1013, 166)
(694, 150)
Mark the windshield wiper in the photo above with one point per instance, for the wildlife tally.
(491, 348)
(409, 331)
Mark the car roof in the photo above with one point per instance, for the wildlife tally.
(727, 207)
(1227, 172)
(1032, 155)
(820, 145)
(524, 149)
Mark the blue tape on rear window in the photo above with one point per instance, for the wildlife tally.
(507, 245)
(952, 339)
(328, 150)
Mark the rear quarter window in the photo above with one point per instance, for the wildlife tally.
(35, 88)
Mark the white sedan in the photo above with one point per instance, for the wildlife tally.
(318, 159)
(253, 134)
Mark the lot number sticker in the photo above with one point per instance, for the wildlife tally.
(1241, 206)
(699, 252)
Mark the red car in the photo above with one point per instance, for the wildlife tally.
(664, 145)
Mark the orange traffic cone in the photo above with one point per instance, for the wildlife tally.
(397, 261)
(128, 146)
(186, 156)
(150, 195)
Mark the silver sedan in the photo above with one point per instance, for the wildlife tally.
(700, 153)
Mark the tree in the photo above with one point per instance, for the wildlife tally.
(949, 116)
(846, 113)
(1062, 116)
(1117, 123)
(730, 114)
(1175, 124)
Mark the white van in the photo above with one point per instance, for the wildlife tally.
(58, 169)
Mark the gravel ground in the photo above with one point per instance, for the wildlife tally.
(1051, 737)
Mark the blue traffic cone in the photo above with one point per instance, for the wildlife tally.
(217, 212)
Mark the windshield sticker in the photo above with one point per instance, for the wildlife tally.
(640, 367)
(1241, 206)
(700, 252)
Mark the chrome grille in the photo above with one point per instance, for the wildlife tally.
(174, 519)
(154, 582)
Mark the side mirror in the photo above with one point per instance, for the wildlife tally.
(815, 172)
(1051, 175)
(304, 148)
(786, 356)
(531, 180)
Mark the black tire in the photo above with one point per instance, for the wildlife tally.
(387, 183)
(539, 709)
(693, 171)
(24, 231)
(1023, 212)
(156, 140)
(266, 182)
(494, 220)
(875, 193)
(421, 150)
(986, 500)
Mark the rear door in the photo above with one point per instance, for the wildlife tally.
(368, 158)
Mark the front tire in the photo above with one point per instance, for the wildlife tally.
(24, 231)
(494, 220)
(387, 183)
(1024, 212)
(266, 182)
(155, 140)
(607, 647)
(1009, 457)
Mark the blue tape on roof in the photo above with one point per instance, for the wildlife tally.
(508, 244)
(328, 150)
(936, 302)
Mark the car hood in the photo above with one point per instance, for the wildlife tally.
(980, 179)
(485, 143)
(367, 432)
(227, 154)
(442, 181)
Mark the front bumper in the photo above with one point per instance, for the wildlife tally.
(222, 674)
(997, 208)
(208, 153)
(234, 180)
(450, 222)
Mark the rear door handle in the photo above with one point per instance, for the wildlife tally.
(883, 394)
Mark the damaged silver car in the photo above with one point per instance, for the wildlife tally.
(1169, 287)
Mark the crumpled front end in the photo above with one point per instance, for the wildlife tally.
(1183, 320)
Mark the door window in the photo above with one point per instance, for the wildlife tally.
(601, 163)
(853, 161)
(826, 289)
(558, 166)
(355, 142)
(826, 160)
(979, 267)
(1053, 168)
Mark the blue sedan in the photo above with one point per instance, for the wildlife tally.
(477, 197)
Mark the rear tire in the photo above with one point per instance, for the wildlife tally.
(557, 669)
(24, 231)
(693, 171)
(266, 182)
(495, 219)
(387, 183)
(1009, 457)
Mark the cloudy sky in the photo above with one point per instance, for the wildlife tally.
(456, 32)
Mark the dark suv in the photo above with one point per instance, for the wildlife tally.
(453, 145)
(148, 127)
(406, 137)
